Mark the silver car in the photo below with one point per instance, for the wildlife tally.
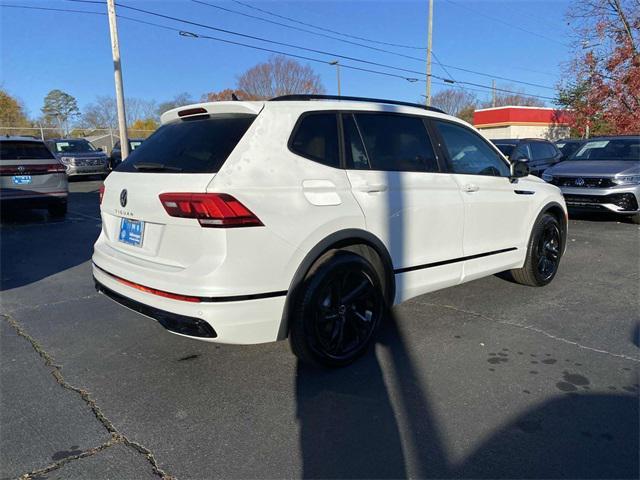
(603, 174)
(80, 156)
(31, 176)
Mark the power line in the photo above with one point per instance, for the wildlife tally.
(504, 22)
(195, 35)
(355, 59)
(386, 51)
(273, 22)
(327, 29)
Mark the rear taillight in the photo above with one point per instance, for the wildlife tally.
(56, 168)
(101, 193)
(211, 209)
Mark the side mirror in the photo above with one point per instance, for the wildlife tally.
(518, 169)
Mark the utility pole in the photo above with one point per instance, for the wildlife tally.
(117, 71)
(493, 93)
(337, 64)
(429, 35)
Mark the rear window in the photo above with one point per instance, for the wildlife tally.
(198, 145)
(17, 150)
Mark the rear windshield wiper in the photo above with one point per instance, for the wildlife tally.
(157, 167)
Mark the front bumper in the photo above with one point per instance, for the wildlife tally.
(623, 200)
(78, 170)
(223, 320)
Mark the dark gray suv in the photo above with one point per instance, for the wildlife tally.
(79, 156)
(539, 154)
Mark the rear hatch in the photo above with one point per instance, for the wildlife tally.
(29, 169)
(182, 157)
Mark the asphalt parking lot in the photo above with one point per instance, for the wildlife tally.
(487, 379)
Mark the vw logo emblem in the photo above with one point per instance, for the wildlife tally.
(123, 197)
(579, 182)
(20, 169)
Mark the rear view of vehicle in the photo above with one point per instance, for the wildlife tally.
(602, 175)
(79, 156)
(31, 177)
(165, 237)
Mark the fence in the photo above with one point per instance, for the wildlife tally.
(104, 138)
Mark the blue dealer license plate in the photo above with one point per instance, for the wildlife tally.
(131, 232)
(21, 179)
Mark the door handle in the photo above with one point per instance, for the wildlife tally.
(374, 187)
(470, 187)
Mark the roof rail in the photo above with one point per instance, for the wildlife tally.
(300, 97)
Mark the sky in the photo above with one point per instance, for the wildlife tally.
(44, 50)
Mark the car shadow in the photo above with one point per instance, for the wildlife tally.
(33, 245)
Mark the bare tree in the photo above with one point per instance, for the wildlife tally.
(279, 76)
(515, 97)
(103, 112)
(179, 100)
(454, 101)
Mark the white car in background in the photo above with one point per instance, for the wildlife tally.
(308, 216)
(31, 176)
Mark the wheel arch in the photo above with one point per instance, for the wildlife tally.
(355, 240)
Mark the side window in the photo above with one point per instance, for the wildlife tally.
(539, 151)
(355, 154)
(469, 153)
(396, 143)
(317, 139)
(521, 152)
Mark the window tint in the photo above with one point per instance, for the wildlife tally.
(505, 149)
(17, 150)
(521, 152)
(189, 146)
(396, 143)
(356, 156)
(539, 151)
(317, 139)
(469, 153)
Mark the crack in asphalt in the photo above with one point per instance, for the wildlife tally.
(531, 328)
(116, 437)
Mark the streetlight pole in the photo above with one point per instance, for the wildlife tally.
(117, 71)
(337, 64)
(429, 36)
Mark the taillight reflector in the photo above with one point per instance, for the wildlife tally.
(33, 169)
(160, 293)
(101, 191)
(217, 210)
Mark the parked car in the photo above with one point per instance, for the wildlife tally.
(116, 153)
(538, 153)
(79, 156)
(604, 174)
(569, 146)
(307, 216)
(31, 176)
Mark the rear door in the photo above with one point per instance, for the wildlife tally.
(182, 156)
(496, 210)
(407, 201)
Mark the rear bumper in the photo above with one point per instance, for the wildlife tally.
(223, 319)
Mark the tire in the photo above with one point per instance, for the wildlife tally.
(337, 310)
(543, 253)
(58, 210)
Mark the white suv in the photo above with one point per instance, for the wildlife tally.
(308, 216)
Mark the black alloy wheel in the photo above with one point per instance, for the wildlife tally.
(340, 308)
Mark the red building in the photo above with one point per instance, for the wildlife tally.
(522, 122)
